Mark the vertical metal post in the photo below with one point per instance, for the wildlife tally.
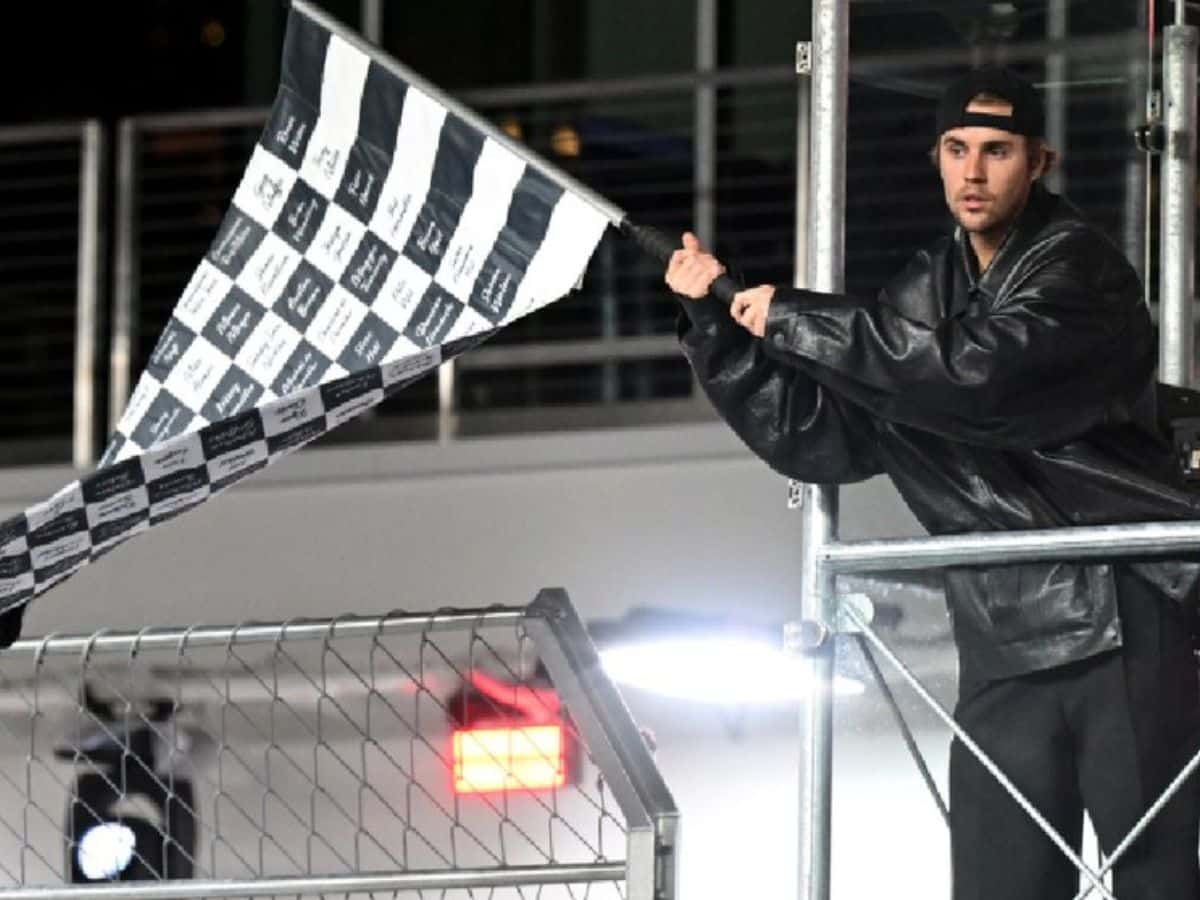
(125, 273)
(1137, 171)
(803, 160)
(1056, 88)
(704, 164)
(93, 151)
(826, 254)
(1178, 213)
(447, 417)
(371, 19)
(606, 280)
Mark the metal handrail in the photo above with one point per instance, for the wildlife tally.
(295, 886)
(1150, 539)
(255, 632)
(32, 134)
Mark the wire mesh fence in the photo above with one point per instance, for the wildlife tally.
(420, 747)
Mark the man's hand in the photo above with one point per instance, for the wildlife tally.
(693, 269)
(749, 308)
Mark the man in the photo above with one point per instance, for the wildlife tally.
(1004, 380)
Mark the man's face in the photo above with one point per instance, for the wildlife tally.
(986, 173)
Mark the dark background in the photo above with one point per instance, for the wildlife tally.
(109, 60)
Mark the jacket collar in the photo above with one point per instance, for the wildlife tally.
(1037, 213)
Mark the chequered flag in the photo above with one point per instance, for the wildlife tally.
(374, 235)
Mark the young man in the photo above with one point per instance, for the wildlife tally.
(1004, 380)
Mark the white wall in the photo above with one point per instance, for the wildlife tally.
(680, 516)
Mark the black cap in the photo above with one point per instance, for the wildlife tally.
(1028, 116)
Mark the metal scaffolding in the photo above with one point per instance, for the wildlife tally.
(822, 614)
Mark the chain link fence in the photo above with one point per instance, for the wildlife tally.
(344, 757)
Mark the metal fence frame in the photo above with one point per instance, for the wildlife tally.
(613, 740)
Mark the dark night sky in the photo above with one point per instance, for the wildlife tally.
(110, 58)
(118, 57)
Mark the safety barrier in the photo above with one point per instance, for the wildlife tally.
(463, 752)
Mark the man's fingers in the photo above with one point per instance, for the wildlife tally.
(690, 270)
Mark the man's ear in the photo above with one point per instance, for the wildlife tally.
(1043, 161)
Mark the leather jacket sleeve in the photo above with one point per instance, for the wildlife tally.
(1065, 350)
(799, 428)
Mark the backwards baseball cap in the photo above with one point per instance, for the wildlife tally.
(1028, 115)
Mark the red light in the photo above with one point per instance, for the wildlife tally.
(503, 759)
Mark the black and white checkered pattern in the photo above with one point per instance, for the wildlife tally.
(374, 235)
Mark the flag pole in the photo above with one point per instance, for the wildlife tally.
(652, 240)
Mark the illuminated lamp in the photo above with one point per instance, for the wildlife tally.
(130, 816)
(510, 737)
(705, 660)
(565, 141)
(522, 757)
(513, 128)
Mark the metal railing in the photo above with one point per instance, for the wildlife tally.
(315, 757)
(51, 287)
(713, 149)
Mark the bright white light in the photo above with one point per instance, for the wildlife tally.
(105, 851)
(715, 670)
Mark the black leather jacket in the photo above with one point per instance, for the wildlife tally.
(1022, 398)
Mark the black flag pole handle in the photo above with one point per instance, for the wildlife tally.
(659, 244)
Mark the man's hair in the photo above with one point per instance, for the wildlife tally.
(987, 99)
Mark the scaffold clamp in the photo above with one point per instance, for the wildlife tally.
(861, 606)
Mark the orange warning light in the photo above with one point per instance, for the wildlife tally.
(532, 757)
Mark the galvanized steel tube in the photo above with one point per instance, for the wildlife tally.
(447, 402)
(1135, 203)
(818, 529)
(704, 142)
(307, 885)
(88, 291)
(371, 20)
(1178, 213)
(826, 258)
(803, 161)
(1057, 14)
(1107, 542)
(125, 274)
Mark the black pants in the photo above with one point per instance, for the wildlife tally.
(1106, 734)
